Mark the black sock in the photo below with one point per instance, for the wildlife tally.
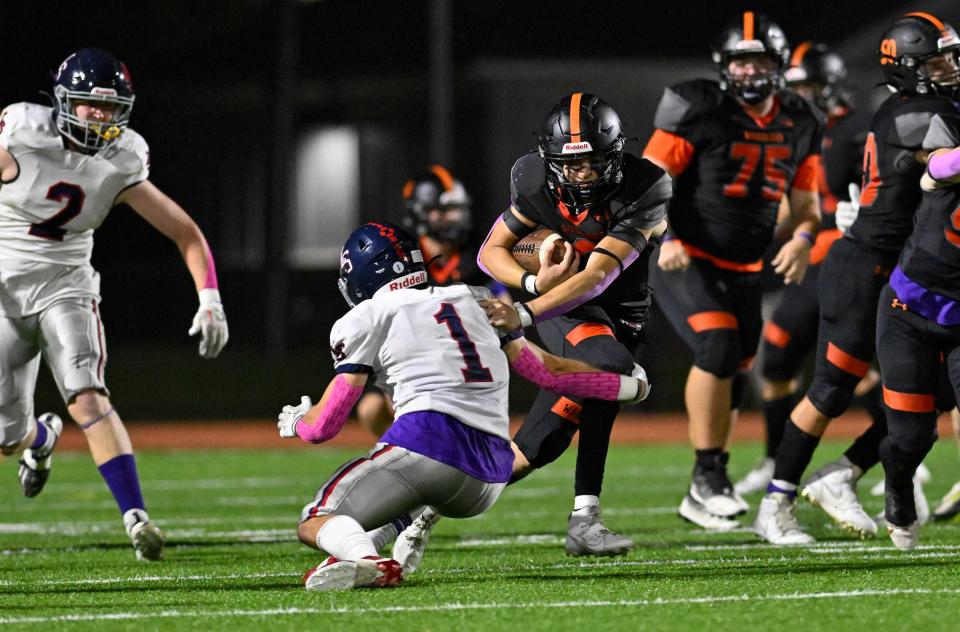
(899, 467)
(776, 412)
(596, 424)
(865, 451)
(794, 454)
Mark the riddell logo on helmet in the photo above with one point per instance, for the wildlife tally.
(408, 281)
(107, 92)
(576, 148)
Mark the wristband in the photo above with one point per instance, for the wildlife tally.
(208, 295)
(529, 283)
(665, 237)
(526, 316)
(806, 235)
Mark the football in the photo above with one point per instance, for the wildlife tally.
(527, 250)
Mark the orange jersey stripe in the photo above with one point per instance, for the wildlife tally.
(575, 117)
(568, 409)
(807, 174)
(821, 247)
(748, 25)
(846, 362)
(672, 151)
(723, 264)
(797, 57)
(445, 178)
(408, 189)
(704, 321)
(909, 402)
(587, 330)
(776, 335)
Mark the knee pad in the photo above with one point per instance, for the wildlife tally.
(740, 387)
(778, 365)
(832, 394)
(611, 357)
(718, 352)
(911, 434)
(550, 446)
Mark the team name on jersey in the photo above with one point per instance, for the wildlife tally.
(763, 137)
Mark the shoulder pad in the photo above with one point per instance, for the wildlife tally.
(684, 102)
(944, 131)
(131, 153)
(528, 174)
(911, 117)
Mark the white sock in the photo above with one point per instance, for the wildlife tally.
(383, 536)
(581, 504)
(344, 538)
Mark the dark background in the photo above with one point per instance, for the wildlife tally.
(226, 89)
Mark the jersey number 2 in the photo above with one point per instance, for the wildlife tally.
(474, 371)
(74, 196)
(774, 178)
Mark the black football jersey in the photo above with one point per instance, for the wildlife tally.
(727, 197)
(891, 169)
(931, 255)
(842, 160)
(459, 267)
(639, 203)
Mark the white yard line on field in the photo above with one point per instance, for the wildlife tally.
(500, 605)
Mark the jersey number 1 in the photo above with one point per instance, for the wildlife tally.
(59, 192)
(474, 371)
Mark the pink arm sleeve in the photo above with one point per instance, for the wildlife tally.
(945, 166)
(587, 385)
(211, 280)
(334, 414)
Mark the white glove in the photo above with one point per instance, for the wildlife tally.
(290, 415)
(847, 211)
(643, 385)
(211, 323)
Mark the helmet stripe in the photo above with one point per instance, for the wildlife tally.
(575, 117)
(445, 178)
(748, 25)
(929, 18)
(799, 52)
(408, 189)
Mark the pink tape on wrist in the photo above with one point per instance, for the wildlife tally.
(334, 414)
(945, 166)
(604, 386)
(211, 281)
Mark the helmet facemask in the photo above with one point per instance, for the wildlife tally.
(752, 88)
(580, 196)
(89, 135)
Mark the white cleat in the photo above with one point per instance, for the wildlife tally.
(35, 464)
(146, 537)
(333, 574)
(777, 523)
(905, 538)
(949, 505)
(756, 479)
(693, 511)
(833, 489)
(412, 542)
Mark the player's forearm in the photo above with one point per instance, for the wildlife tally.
(804, 212)
(498, 262)
(588, 384)
(578, 289)
(944, 167)
(199, 260)
(323, 421)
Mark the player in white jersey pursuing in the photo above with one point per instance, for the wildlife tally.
(62, 170)
(431, 349)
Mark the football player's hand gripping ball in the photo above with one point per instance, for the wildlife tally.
(290, 415)
(211, 323)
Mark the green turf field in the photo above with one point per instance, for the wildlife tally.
(233, 561)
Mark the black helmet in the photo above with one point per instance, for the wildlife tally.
(436, 188)
(911, 41)
(92, 75)
(816, 64)
(582, 126)
(752, 34)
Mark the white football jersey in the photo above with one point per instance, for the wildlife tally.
(49, 211)
(430, 349)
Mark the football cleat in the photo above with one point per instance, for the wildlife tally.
(35, 464)
(777, 523)
(586, 535)
(949, 505)
(905, 538)
(756, 479)
(146, 537)
(712, 489)
(833, 489)
(371, 571)
(693, 511)
(412, 542)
